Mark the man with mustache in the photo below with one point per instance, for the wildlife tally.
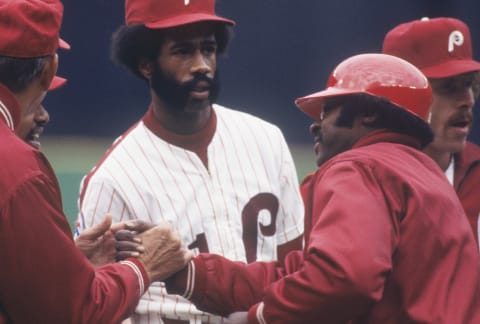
(223, 178)
(44, 278)
(386, 239)
(441, 48)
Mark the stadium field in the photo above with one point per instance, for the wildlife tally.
(73, 157)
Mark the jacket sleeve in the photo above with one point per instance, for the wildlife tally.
(340, 274)
(44, 278)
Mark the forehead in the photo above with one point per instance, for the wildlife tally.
(460, 78)
(191, 33)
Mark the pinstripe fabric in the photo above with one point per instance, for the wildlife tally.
(250, 170)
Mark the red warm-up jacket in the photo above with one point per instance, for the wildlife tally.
(467, 183)
(44, 278)
(387, 241)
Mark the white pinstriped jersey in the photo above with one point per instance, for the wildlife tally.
(245, 204)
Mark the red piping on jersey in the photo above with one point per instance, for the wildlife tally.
(197, 142)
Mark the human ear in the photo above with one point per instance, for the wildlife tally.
(49, 71)
(145, 67)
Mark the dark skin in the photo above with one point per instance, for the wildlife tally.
(329, 140)
(186, 52)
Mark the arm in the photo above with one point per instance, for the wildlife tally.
(348, 256)
(340, 274)
(64, 287)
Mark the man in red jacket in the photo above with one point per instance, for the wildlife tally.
(442, 49)
(44, 278)
(387, 240)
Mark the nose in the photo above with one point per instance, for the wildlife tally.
(42, 116)
(466, 98)
(200, 64)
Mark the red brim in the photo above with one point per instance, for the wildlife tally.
(312, 104)
(57, 82)
(187, 19)
(451, 68)
(63, 44)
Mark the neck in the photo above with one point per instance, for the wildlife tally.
(181, 122)
(441, 157)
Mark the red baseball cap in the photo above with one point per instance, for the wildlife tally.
(30, 29)
(157, 14)
(439, 47)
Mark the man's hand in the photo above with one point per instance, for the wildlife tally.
(129, 242)
(164, 253)
(98, 243)
(236, 318)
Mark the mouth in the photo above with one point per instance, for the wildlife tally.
(34, 139)
(201, 90)
(460, 121)
(317, 144)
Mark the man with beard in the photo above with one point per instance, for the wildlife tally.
(224, 179)
(386, 239)
(441, 48)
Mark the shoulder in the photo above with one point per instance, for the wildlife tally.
(471, 152)
(22, 167)
(387, 159)
(118, 151)
(228, 115)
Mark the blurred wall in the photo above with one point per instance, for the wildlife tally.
(282, 49)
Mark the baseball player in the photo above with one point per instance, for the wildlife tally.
(44, 278)
(387, 240)
(224, 179)
(442, 49)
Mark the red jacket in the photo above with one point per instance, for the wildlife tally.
(43, 277)
(467, 183)
(387, 241)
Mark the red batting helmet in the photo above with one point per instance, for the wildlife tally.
(379, 75)
(158, 14)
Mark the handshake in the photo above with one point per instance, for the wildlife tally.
(158, 247)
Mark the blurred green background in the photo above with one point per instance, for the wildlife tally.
(73, 157)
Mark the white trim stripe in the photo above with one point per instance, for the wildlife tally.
(190, 281)
(6, 115)
(138, 273)
(259, 314)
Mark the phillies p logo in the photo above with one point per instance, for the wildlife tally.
(455, 39)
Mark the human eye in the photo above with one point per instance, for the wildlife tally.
(210, 48)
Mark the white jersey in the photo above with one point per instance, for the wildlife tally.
(245, 204)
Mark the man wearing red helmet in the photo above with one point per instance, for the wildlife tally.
(387, 241)
(44, 278)
(441, 48)
(223, 178)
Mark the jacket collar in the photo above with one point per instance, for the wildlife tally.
(384, 135)
(9, 108)
(465, 161)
